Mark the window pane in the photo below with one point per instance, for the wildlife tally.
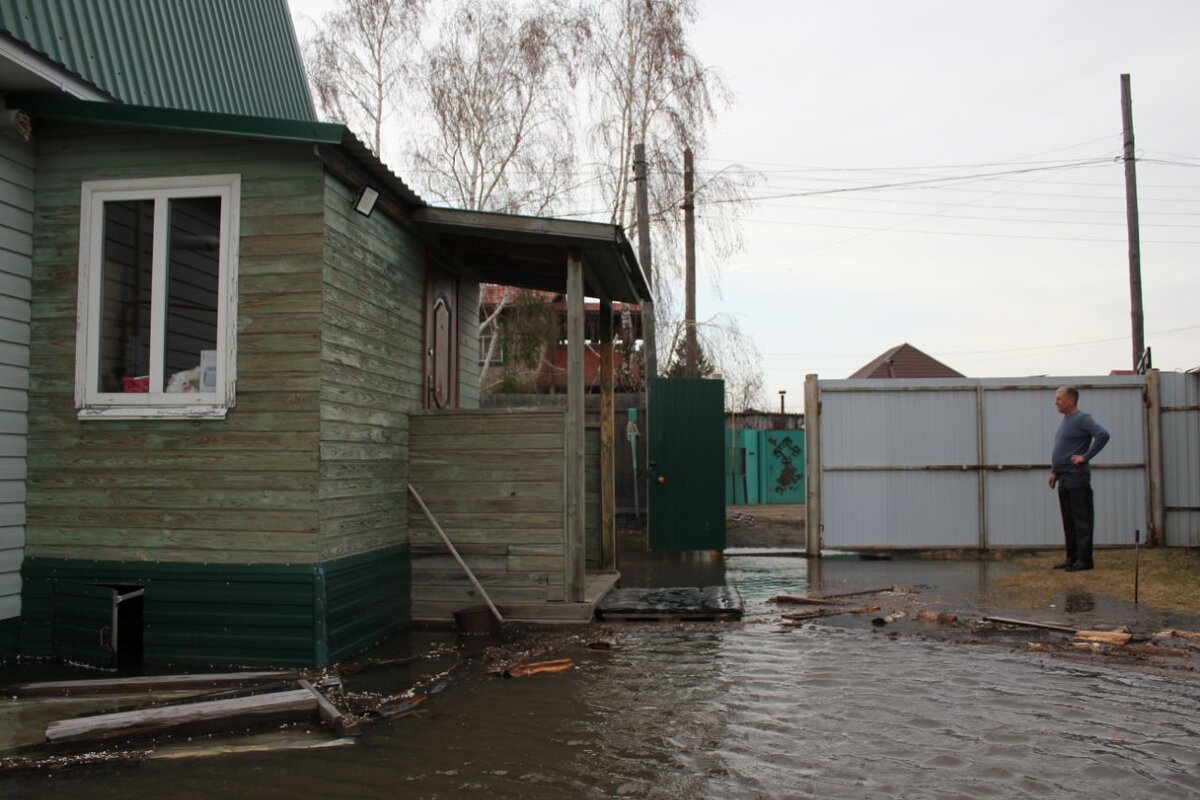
(193, 272)
(124, 361)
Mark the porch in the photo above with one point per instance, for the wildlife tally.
(527, 496)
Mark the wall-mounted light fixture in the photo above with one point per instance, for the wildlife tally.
(365, 203)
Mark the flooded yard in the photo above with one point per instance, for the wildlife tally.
(736, 710)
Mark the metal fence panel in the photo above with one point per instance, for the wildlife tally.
(1180, 394)
(897, 510)
(889, 449)
(871, 428)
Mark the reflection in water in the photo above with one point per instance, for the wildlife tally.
(1080, 603)
(735, 711)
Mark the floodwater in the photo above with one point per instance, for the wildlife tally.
(738, 711)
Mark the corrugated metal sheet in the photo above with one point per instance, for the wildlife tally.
(16, 250)
(897, 510)
(886, 447)
(1180, 397)
(896, 428)
(230, 56)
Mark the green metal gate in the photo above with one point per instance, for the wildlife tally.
(686, 470)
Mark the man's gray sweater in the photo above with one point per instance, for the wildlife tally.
(1079, 435)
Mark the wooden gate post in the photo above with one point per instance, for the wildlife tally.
(1154, 460)
(608, 523)
(812, 465)
(575, 547)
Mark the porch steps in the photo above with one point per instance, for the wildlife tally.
(677, 604)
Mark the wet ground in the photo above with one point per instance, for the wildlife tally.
(835, 708)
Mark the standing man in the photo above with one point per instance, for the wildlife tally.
(1077, 441)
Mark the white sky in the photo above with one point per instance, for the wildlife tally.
(1020, 275)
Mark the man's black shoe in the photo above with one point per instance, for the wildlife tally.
(1077, 566)
(1064, 565)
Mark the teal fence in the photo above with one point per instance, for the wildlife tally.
(764, 467)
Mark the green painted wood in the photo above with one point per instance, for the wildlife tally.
(686, 470)
(370, 345)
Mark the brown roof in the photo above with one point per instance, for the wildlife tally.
(906, 361)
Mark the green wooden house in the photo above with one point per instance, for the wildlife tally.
(230, 338)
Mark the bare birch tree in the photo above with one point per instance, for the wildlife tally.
(497, 88)
(649, 86)
(358, 58)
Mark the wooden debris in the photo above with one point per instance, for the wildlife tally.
(887, 619)
(808, 601)
(940, 617)
(227, 713)
(601, 644)
(539, 668)
(1104, 637)
(403, 708)
(1173, 633)
(210, 750)
(1154, 650)
(1025, 623)
(801, 616)
(330, 715)
(157, 683)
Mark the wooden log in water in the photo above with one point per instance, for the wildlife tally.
(1104, 637)
(1155, 650)
(808, 601)
(230, 713)
(330, 714)
(541, 667)
(801, 616)
(1025, 623)
(157, 683)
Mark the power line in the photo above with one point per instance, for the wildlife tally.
(952, 233)
(994, 351)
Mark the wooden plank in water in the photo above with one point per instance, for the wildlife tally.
(155, 683)
(330, 714)
(167, 718)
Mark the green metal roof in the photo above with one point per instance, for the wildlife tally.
(225, 56)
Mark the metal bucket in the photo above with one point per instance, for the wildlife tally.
(477, 621)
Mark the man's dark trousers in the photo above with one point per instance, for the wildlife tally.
(1078, 517)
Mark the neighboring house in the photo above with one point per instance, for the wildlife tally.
(905, 361)
(550, 373)
(230, 328)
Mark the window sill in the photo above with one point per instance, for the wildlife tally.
(154, 412)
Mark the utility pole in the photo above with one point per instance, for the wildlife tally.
(691, 349)
(650, 354)
(1131, 222)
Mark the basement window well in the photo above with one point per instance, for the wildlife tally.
(157, 297)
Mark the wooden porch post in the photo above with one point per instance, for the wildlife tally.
(608, 522)
(576, 552)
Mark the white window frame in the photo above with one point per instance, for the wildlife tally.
(90, 402)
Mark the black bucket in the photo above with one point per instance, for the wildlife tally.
(477, 621)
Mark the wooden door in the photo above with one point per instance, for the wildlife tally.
(441, 339)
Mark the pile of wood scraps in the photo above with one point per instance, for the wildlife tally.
(1170, 643)
(832, 605)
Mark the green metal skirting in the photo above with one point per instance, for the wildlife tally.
(236, 614)
(10, 637)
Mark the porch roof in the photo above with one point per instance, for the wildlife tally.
(531, 252)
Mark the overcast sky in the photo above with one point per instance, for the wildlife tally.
(1016, 274)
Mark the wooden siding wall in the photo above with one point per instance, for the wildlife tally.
(494, 480)
(371, 374)
(239, 490)
(468, 340)
(16, 250)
